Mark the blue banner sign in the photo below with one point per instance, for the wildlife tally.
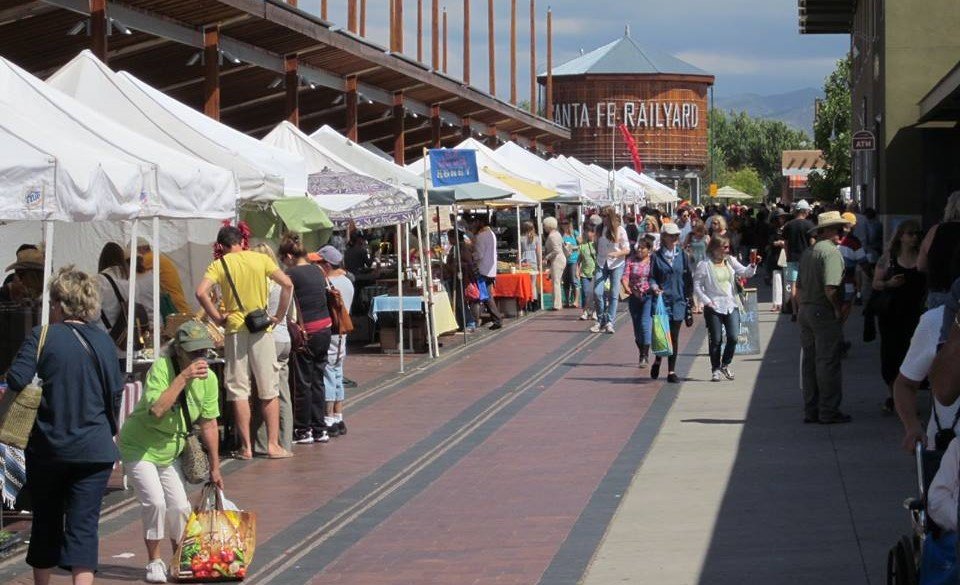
(453, 167)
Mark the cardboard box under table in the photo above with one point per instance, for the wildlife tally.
(384, 312)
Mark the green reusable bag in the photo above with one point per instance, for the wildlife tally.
(661, 344)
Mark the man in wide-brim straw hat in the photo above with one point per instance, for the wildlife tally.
(822, 312)
(26, 283)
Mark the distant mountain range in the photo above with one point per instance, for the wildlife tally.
(794, 108)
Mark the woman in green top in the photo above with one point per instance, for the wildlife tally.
(586, 267)
(154, 435)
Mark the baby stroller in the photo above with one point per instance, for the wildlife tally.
(906, 559)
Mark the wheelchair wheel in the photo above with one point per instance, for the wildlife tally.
(902, 563)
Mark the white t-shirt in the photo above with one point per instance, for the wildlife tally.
(945, 489)
(485, 252)
(605, 247)
(918, 361)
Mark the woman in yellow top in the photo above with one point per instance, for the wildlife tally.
(154, 435)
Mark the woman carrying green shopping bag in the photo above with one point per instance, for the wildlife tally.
(672, 280)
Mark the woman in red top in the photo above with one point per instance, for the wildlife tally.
(636, 281)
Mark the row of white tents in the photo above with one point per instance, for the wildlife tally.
(103, 156)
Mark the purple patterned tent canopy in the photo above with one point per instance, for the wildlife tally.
(384, 204)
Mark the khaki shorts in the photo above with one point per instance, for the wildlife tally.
(247, 352)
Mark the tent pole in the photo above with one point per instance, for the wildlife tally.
(400, 294)
(47, 271)
(540, 255)
(519, 251)
(427, 294)
(132, 296)
(460, 285)
(157, 318)
(425, 257)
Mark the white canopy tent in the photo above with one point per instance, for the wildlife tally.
(655, 191)
(365, 162)
(627, 192)
(570, 186)
(599, 186)
(124, 99)
(317, 158)
(174, 186)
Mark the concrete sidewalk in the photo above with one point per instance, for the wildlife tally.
(736, 489)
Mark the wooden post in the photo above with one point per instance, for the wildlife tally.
(351, 101)
(435, 125)
(292, 82)
(465, 130)
(420, 31)
(398, 21)
(352, 16)
(533, 57)
(363, 18)
(513, 52)
(399, 145)
(491, 50)
(549, 109)
(323, 9)
(445, 40)
(435, 35)
(211, 71)
(98, 29)
(466, 41)
(292, 3)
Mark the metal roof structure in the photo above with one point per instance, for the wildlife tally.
(826, 16)
(625, 56)
(162, 43)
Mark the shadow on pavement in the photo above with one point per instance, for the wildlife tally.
(805, 503)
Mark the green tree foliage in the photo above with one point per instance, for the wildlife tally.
(832, 134)
(746, 179)
(743, 142)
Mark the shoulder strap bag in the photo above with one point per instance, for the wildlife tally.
(194, 462)
(256, 320)
(18, 410)
(110, 403)
(299, 338)
(339, 314)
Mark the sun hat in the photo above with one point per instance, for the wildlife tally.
(331, 255)
(671, 229)
(802, 205)
(829, 219)
(852, 218)
(193, 336)
(28, 259)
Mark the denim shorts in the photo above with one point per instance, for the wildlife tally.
(791, 272)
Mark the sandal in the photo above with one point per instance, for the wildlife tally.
(282, 455)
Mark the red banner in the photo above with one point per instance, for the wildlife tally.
(632, 145)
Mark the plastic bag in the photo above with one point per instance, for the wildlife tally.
(662, 344)
(484, 292)
(217, 543)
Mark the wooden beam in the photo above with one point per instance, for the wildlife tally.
(292, 88)
(491, 50)
(466, 42)
(211, 70)
(533, 57)
(435, 35)
(549, 109)
(399, 150)
(323, 9)
(363, 18)
(465, 130)
(98, 29)
(445, 40)
(398, 22)
(351, 101)
(24, 11)
(513, 52)
(436, 124)
(352, 16)
(420, 31)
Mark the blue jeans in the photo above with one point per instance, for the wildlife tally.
(722, 327)
(607, 300)
(641, 311)
(586, 294)
(333, 370)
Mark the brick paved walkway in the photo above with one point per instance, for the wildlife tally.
(472, 470)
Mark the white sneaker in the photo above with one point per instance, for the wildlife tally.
(726, 371)
(608, 328)
(595, 328)
(593, 315)
(584, 316)
(715, 377)
(156, 571)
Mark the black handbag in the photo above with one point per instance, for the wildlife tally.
(256, 320)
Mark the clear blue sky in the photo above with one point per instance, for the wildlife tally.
(752, 46)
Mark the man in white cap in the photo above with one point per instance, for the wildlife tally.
(331, 261)
(796, 236)
(822, 312)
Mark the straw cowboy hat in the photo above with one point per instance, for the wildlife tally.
(29, 259)
(829, 219)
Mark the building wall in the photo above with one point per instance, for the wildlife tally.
(903, 48)
(671, 132)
